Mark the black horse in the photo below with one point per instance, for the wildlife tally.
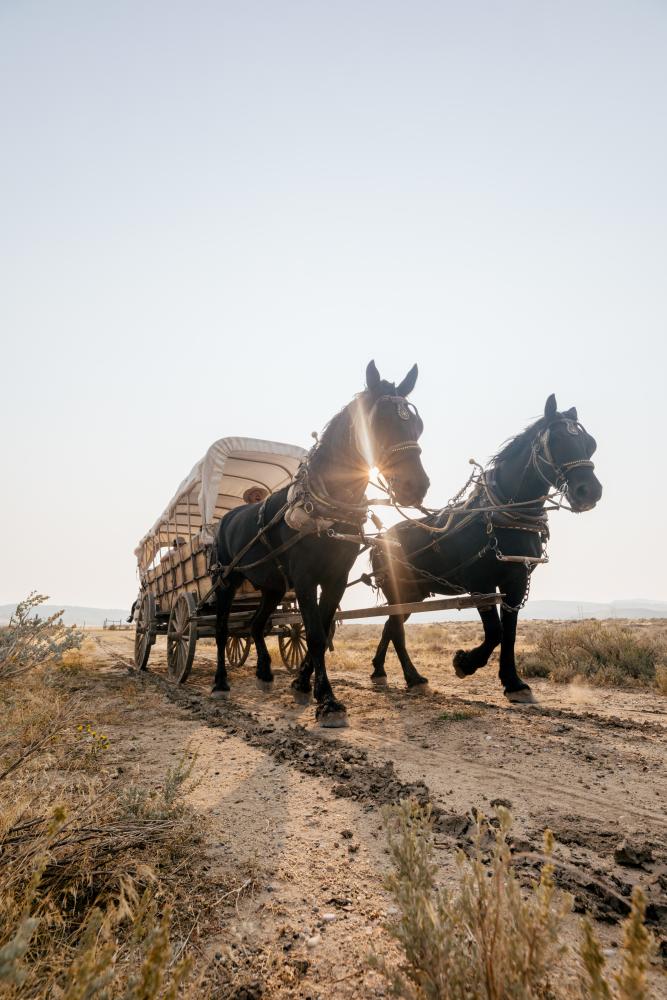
(378, 428)
(483, 548)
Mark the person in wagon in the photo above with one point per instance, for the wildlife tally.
(255, 494)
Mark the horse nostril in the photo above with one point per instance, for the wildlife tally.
(581, 491)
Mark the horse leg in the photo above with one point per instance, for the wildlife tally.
(515, 689)
(301, 686)
(330, 712)
(413, 678)
(224, 597)
(466, 662)
(270, 601)
(379, 675)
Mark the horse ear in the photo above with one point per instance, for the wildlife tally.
(408, 383)
(571, 414)
(372, 376)
(550, 408)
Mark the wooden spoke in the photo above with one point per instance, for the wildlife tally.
(292, 645)
(181, 638)
(144, 635)
(237, 648)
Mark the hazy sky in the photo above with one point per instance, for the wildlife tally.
(213, 214)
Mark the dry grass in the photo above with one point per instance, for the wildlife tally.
(487, 939)
(601, 653)
(87, 871)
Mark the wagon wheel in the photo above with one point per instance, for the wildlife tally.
(237, 648)
(181, 638)
(292, 645)
(144, 637)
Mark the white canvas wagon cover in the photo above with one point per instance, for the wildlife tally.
(216, 485)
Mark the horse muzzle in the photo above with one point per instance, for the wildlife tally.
(584, 494)
(409, 490)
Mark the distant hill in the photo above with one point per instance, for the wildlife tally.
(586, 609)
(559, 610)
(73, 615)
(539, 610)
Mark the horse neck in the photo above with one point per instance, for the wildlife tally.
(336, 463)
(517, 480)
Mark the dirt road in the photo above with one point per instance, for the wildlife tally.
(296, 809)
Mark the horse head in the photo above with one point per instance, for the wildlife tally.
(387, 430)
(562, 455)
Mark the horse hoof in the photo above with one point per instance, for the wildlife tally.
(458, 661)
(266, 686)
(218, 694)
(523, 697)
(380, 681)
(301, 697)
(334, 720)
(419, 687)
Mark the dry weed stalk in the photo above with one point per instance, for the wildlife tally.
(84, 873)
(486, 939)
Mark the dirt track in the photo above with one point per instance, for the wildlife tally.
(296, 809)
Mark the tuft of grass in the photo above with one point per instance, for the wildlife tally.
(601, 653)
(459, 715)
(486, 939)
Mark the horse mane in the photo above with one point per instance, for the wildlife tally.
(513, 446)
(333, 427)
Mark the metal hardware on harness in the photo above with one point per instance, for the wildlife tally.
(361, 539)
(527, 561)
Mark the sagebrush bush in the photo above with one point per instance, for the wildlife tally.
(486, 939)
(28, 640)
(598, 652)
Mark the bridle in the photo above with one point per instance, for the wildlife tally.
(541, 455)
(405, 411)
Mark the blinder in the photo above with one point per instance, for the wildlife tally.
(542, 451)
(405, 411)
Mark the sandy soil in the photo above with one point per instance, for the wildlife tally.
(296, 810)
